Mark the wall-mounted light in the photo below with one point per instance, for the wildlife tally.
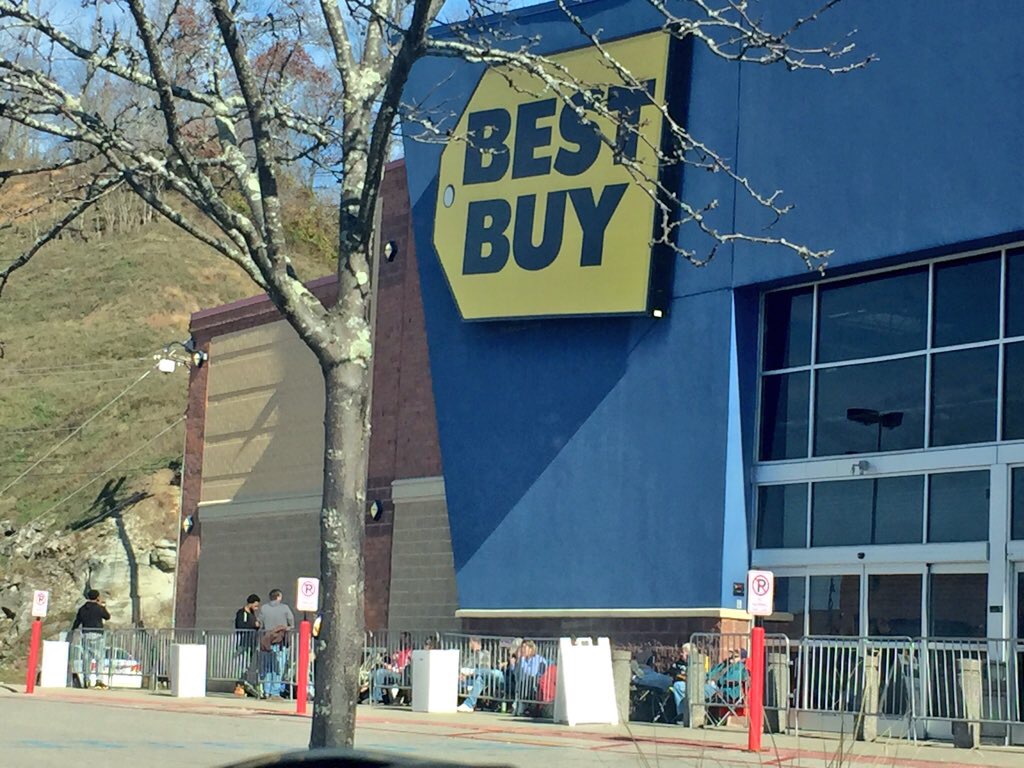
(390, 250)
(658, 313)
(187, 524)
(169, 363)
(375, 509)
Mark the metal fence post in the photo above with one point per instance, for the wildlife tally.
(696, 675)
(622, 673)
(777, 692)
(869, 702)
(970, 685)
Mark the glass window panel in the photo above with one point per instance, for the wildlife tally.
(788, 618)
(782, 516)
(958, 605)
(964, 391)
(966, 301)
(841, 513)
(1015, 292)
(899, 510)
(1013, 392)
(784, 410)
(894, 605)
(1017, 507)
(883, 511)
(834, 605)
(787, 328)
(958, 506)
(873, 316)
(866, 408)
(1020, 609)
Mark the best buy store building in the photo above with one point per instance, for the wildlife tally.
(859, 433)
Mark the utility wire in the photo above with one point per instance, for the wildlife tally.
(72, 366)
(67, 429)
(81, 426)
(65, 383)
(107, 471)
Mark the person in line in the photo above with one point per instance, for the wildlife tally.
(89, 619)
(728, 678)
(678, 672)
(276, 623)
(529, 668)
(247, 625)
(392, 672)
(477, 665)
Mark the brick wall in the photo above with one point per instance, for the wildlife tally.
(253, 554)
(423, 594)
(404, 441)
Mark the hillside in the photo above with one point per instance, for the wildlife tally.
(79, 326)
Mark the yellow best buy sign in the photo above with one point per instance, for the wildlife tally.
(536, 214)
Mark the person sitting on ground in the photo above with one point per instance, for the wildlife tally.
(477, 666)
(392, 672)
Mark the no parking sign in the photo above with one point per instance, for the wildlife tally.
(760, 593)
(307, 594)
(40, 603)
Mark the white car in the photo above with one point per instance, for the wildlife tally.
(118, 668)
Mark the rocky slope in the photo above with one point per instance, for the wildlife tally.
(126, 550)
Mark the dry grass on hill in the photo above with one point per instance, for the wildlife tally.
(82, 322)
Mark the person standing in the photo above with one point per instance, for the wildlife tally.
(247, 624)
(276, 623)
(89, 620)
(678, 671)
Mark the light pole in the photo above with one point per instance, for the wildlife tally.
(883, 420)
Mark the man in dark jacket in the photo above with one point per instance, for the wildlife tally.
(89, 619)
(247, 624)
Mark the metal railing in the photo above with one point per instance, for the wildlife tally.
(718, 677)
(885, 681)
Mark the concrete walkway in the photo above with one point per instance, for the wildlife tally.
(476, 738)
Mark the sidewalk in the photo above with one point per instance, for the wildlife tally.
(723, 746)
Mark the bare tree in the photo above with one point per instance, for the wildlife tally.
(214, 101)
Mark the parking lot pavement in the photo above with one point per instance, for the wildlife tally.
(115, 728)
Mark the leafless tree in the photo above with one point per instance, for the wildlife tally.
(199, 107)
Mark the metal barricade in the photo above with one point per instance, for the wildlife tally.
(388, 658)
(521, 676)
(717, 677)
(867, 685)
(972, 680)
(486, 668)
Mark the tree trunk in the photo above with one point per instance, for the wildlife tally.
(339, 647)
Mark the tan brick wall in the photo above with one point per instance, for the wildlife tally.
(423, 594)
(264, 417)
(240, 441)
(253, 553)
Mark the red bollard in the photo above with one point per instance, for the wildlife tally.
(33, 655)
(755, 695)
(302, 678)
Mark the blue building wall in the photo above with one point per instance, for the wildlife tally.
(601, 462)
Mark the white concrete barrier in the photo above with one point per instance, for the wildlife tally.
(188, 671)
(585, 691)
(55, 664)
(435, 681)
